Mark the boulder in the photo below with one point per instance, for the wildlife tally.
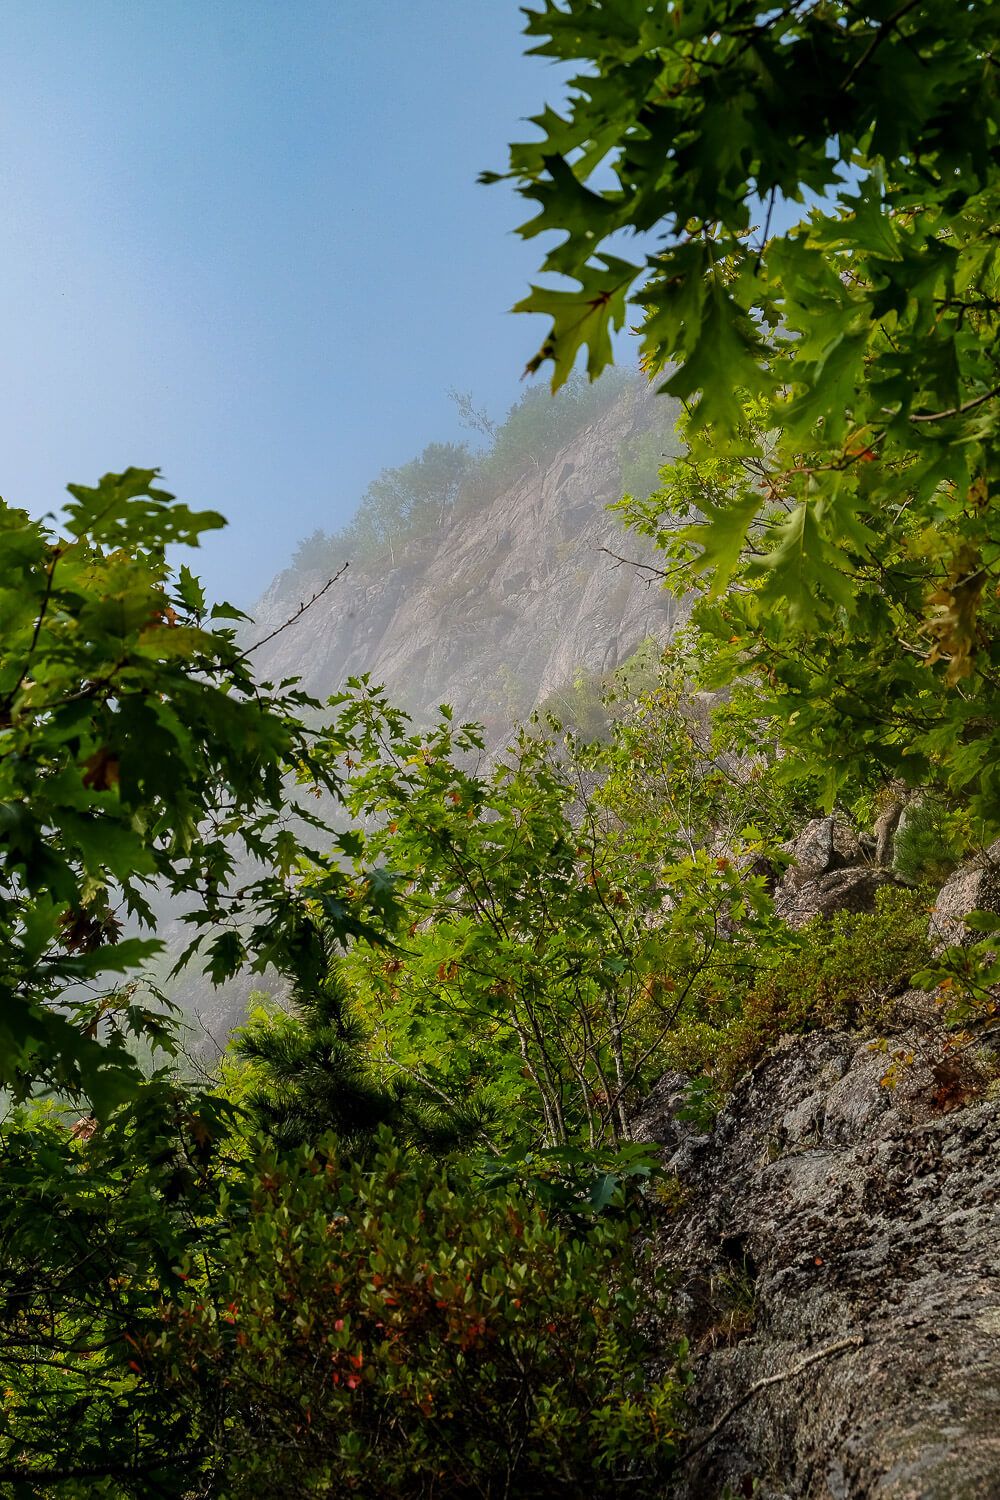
(660, 1119)
(824, 844)
(851, 889)
(831, 870)
(834, 1259)
(973, 887)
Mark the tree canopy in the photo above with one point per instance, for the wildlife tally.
(844, 371)
(139, 757)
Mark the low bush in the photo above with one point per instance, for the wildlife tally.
(392, 1330)
(838, 971)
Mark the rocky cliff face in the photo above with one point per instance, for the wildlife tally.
(503, 605)
(833, 1247)
(836, 1265)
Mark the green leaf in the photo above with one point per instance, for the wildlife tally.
(720, 342)
(582, 319)
(722, 538)
(982, 921)
(793, 567)
(190, 591)
(226, 954)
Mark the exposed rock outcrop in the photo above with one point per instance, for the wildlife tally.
(824, 844)
(503, 605)
(831, 870)
(846, 1231)
(973, 887)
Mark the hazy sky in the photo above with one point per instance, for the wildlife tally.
(242, 240)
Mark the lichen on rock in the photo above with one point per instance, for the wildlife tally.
(856, 1223)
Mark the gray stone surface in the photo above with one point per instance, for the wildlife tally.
(825, 1207)
(503, 605)
(830, 870)
(973, 887)
(824, 844)
(852, 889)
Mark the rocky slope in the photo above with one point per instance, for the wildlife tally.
(501, 607)
(837, 1261)
(833, 1251)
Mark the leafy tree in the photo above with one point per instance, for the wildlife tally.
(140, 761)
(857, 506)
(411, 500)
(415, 499)
(697, 765)
(536, 428)
(310, 1067)
(138, 755)
(551, 944)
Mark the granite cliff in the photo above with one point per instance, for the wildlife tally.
(502, 606)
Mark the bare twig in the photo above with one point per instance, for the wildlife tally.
(955, 411)
(886, 29)
(299, 612)
(855, 1342)
(641, 567)
(767, 230)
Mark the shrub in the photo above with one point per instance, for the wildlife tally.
(392, 1331)
(928, 844)
(837, 972)
(303, 1073)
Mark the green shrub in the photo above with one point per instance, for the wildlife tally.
(643, 454)
(305, 1072)
(302, 1073)
(392, 1331)
(928, 845)
(837, 972)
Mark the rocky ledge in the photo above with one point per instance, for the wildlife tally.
(833, 1244)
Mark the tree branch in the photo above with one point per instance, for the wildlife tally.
(8, 701)
(884, 31)
(299, 612)
(855, 1342)
(955, 411)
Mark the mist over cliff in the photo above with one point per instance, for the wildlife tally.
(513, 592)
(505, 600)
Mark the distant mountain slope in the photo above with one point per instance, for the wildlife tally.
(495, 612)
(501, 606)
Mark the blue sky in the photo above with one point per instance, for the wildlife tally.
(242, 240)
